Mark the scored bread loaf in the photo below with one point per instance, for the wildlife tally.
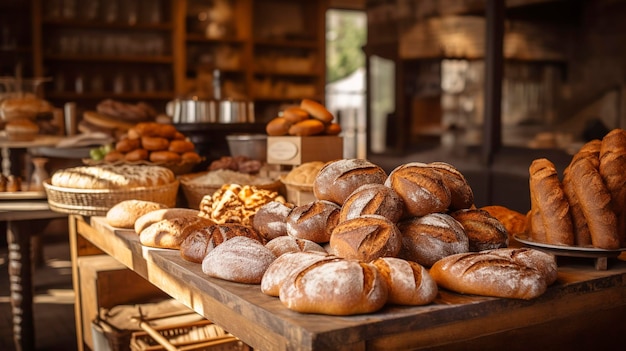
(270, 219)
(170, 233)
(283, 244)
(489, 273)
(108, 176)
(336, 180)
(165, 213)
(125, 213)
(366, 238)
(286, 264)
(240, 259)
(313, 221)
(201, 240)
(513, 221)
(427, 239)
(421, 188)
(377, 199)
(461, 194)
(409, 283)
(550, 204)
(335, 287)
(484, 231)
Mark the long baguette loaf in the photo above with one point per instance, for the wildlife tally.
(595, 201)
(613, 171)
(549, 201)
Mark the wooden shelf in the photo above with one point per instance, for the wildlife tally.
(82, 24)
(199, 38)
(71, 96)
(287, 43)
(110, 58)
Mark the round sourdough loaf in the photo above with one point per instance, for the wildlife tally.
(336, 180)
(366, 238)
(270, 219)
(375, 199)
(335, 287)
(489, 273)
(286, 264)
(484, 231)
(240, 259)
(314, 221)
(409, 283)
(461, 194)
(421, 188)
(288, 243)
(125, 213)
(427, 239)
(201, 240)
(170, 233)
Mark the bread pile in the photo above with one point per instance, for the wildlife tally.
(153, 142)
(240, 163)
(112, 177)
(20, 114)
(115, 117)
(587, 207)
(310, 118)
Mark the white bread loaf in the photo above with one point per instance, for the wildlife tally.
(409, 283)
(286, 264)
(288, 243)
(240, 259)
(108, 176)
(335, 287)
(125, 213)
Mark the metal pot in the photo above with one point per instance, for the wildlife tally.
(192, 111)
(232, 111)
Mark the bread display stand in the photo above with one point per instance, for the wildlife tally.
(452, 321)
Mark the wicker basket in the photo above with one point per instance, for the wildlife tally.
(97, 202)
(197, 336)
(178, 168)
(195, 192)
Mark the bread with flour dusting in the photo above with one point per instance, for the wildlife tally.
(409, 283)
(240, 259)
(286, 264)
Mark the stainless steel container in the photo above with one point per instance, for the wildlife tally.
(192, 111)
(233, 111)
(253, 146)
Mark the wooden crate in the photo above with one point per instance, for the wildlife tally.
(296, 150)
(105, 282)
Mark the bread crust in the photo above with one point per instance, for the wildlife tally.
(409, 283)
(286, 264)
(366, 238)
(284, 244)
(484, 231)
(612, 168)
(336, 180)
(421, 188)
(316, 110)
(278, 126)
(240, 259)
(461, 194)
(375, 199)
(125, 213)
(313, 221)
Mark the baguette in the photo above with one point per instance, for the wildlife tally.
(613, 169)
(550, 203)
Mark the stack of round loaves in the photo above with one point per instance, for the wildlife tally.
(154, 142)
(588, 207)
(310, 118)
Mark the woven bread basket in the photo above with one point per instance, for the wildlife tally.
(96, 202)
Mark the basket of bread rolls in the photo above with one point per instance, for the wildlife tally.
(93, 190)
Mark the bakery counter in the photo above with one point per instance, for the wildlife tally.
(583, 308)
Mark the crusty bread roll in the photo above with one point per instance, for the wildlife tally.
(114, 156)
(286, 264)
(278, 126)
(170, 233)
(240, 259)
(514, 222)
(164, 156)
(304, 175)
(151, 143)
(595, 201)
(283, 244)
(550, 203)
(332, 129)
(366, 238)
(544, 262)
(137, 155)
(488, 273)
(335, 287)
(461, 194)
(483, 230)
(316, 110)
(166, 213)
(613, 171)
(409, 283)
(124, 214)
(307, 127)
(295, 114)
(336, 180)
(127, 145)
(372, 199)
(201, 240)
(421, 187)
(427, 239)
(270, 220)
(313, 221)
(181, 146)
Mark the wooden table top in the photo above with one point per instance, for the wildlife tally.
(264, 323)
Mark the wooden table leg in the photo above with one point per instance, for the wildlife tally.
(21, 286)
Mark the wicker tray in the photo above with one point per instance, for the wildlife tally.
(197, 336)
(195, 192)
(179, 168)
(97, 202)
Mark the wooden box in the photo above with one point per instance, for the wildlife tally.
(296, 150)
(105, 282)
